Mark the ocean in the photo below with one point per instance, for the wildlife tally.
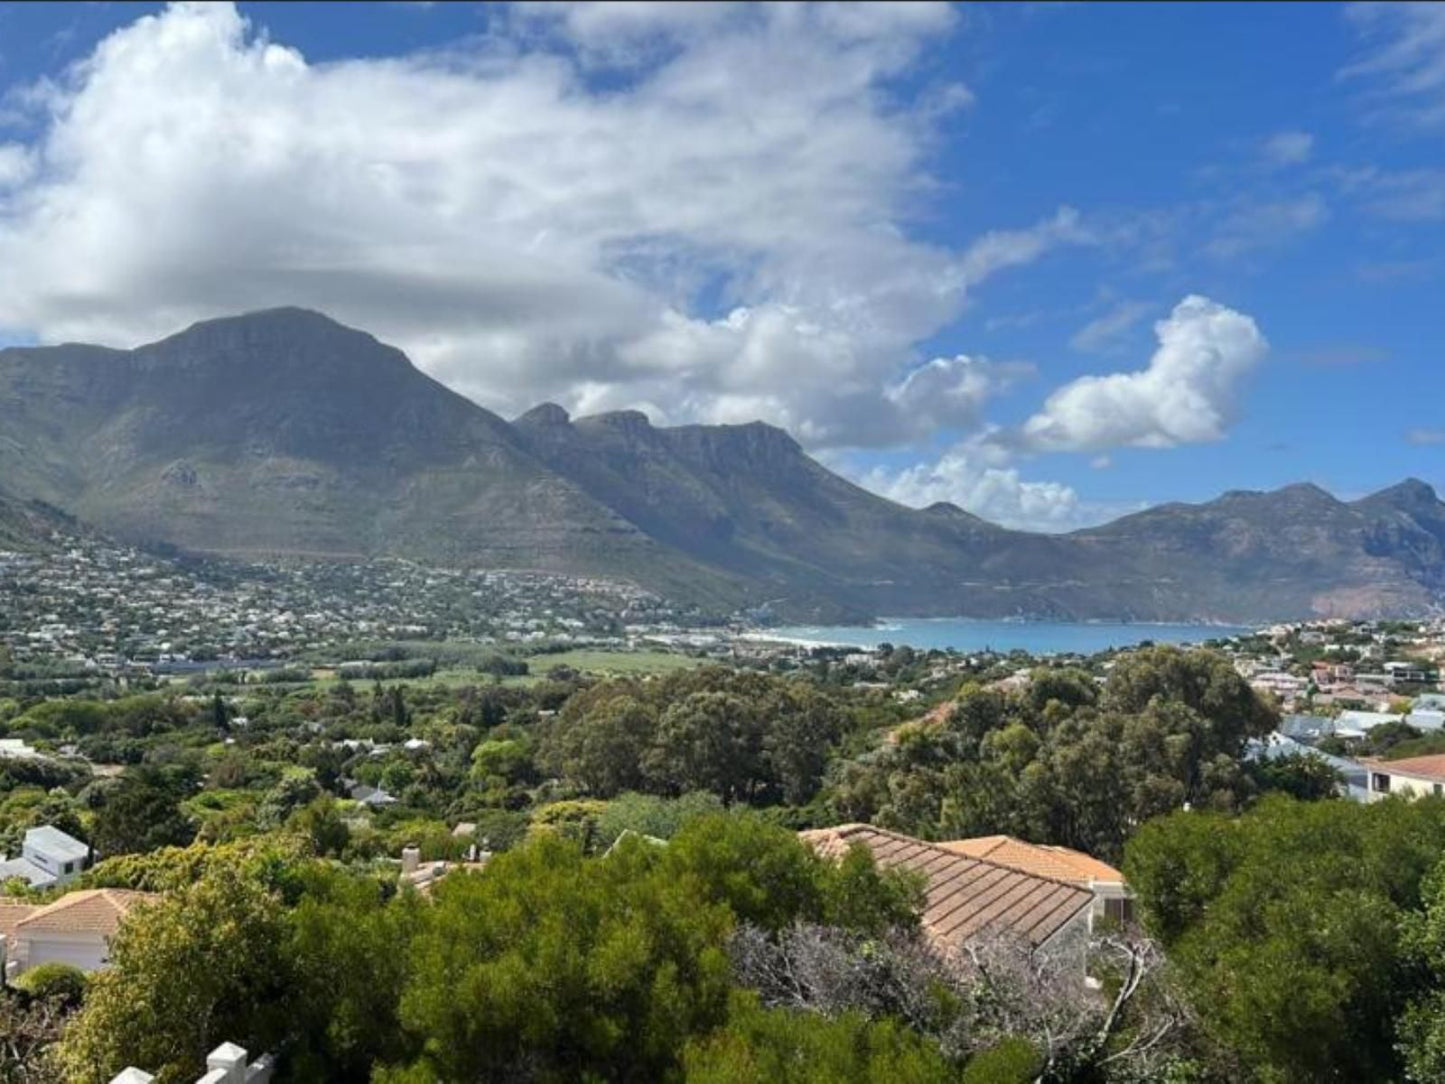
(965, 634)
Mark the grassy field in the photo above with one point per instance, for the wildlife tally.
(588, 661)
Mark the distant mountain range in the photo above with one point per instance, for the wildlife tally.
(284, 434)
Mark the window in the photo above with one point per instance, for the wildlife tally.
(1380, 782)
(1121, 910)
(70, 867)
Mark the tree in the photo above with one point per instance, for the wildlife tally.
(348, 948)
(203, 965)
(788, 1046)
(709, 741)
(220, 717)
(142, 811)
(797, 746)
(552, 966)
(1283, 926)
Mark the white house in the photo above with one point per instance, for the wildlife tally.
(76, 929)
(1412, 777)
(48, 857)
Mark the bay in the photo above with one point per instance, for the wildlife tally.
(966, 634)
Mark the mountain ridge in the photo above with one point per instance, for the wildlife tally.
(285, 433)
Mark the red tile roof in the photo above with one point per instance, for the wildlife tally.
(1045, 860)
(93, 910)
(1431, 767)
(965, 895)
(12, 913)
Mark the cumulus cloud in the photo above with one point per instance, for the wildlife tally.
(977, 476)
(1186, 395)
(717, 233)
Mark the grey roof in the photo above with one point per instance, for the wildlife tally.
(1275, 746)
(1426, 719)
(52, 841)
(371, 795)
(1307, 727)
(34, 876)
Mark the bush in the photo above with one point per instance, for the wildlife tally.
(54, 980)
(1012, 1061)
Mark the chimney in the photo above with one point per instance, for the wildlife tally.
(410, 859)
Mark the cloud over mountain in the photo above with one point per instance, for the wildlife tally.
(716, 232)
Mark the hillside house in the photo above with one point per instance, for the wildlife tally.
(968, 896)
(1112, 898)
(1412, 777)
(48, 857)
(76, 929)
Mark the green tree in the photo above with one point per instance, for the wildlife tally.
(205, 964)
(1283, 926)
(786, 1046)
(142, 811)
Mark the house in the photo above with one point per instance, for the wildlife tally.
(422, 875)
(1356, 724)
(48, 857)
(1412, 777)
(1425, 719)
(967, 896)
(1112, 898)
(1307, 728)
(370, 796)
(76, 929)
(1280, 744)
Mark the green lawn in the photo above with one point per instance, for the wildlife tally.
(585, 660)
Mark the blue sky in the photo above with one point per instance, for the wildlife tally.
(1050, 262)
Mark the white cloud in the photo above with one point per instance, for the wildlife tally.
(1423, 438)
(1403, 67)
(1288, 148)
(1104, 331)
(1186, 395)
(1255, 226)
(523, 233)
(977, 476)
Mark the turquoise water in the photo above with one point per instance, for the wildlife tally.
(1035, 637)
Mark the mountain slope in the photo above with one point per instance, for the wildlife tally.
(1296, 550)
(284, 433)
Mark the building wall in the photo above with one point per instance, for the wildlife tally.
(1403, 785)
(85, 951)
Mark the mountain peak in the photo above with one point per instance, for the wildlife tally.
(1411, 495)
(548, 415)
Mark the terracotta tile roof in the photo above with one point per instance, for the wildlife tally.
(94, 910)
(1045, 860)
(11, 913)
(1431, 767)
(964, 895)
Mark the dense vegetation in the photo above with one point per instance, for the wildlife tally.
(1287, 936)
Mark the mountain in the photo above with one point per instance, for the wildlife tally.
(1296, 550)
(28, 526)
(282, 433)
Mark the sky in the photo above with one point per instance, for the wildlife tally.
(1050, 262)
